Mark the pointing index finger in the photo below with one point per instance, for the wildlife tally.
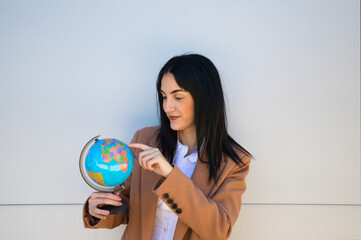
(139, 145)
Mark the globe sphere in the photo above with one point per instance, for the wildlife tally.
(108, 163)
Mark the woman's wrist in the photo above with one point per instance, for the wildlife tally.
(169, 170)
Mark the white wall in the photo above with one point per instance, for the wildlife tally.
(70, 70)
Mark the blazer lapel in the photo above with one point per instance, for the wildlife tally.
(148, 202)
(148, 199)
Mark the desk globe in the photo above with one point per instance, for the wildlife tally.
(105, 164)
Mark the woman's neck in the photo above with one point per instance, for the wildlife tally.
(189, 139)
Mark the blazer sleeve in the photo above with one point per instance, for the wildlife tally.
(111, 221)
(209, 217)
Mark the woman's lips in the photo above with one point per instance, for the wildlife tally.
(173, 118)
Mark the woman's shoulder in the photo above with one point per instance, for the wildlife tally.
(149, 130)
(146, 134)
(243, 156)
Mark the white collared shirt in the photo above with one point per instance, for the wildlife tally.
(165, 220)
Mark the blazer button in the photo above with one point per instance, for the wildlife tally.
(170, 201)
(174, 205)
(178, 211)
(165, 195)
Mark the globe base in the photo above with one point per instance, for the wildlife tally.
(115, 209)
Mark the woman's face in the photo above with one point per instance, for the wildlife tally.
(178, 104)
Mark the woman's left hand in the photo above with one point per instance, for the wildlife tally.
(152, 159)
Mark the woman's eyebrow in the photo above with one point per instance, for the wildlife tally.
(174, 91)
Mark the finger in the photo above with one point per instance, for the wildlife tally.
(140, 161)
(147, 158)
(105, 195)
(146, 153)
(152, 162)
(138, 145)
(140, 158)
(106, 201)
(101, 212)
(98, 216)
(111, 202)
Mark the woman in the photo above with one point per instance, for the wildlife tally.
(190, 175)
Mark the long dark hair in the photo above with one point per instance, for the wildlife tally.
(198, 75)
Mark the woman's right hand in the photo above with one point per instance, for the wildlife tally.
(100, 198)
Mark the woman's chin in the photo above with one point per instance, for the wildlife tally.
(174, 127)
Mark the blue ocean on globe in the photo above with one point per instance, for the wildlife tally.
(109, 162)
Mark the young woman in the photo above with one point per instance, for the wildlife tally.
(189, 174)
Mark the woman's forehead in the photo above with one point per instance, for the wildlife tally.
(169, 84)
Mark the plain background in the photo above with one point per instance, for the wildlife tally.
(71, 70)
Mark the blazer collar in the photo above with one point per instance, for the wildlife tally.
(184, 149)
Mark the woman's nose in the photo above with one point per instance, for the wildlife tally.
(168, 106)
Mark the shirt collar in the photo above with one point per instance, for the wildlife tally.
(192, 157)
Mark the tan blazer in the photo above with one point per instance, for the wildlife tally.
(205, 210)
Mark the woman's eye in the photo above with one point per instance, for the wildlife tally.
(175, 97)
